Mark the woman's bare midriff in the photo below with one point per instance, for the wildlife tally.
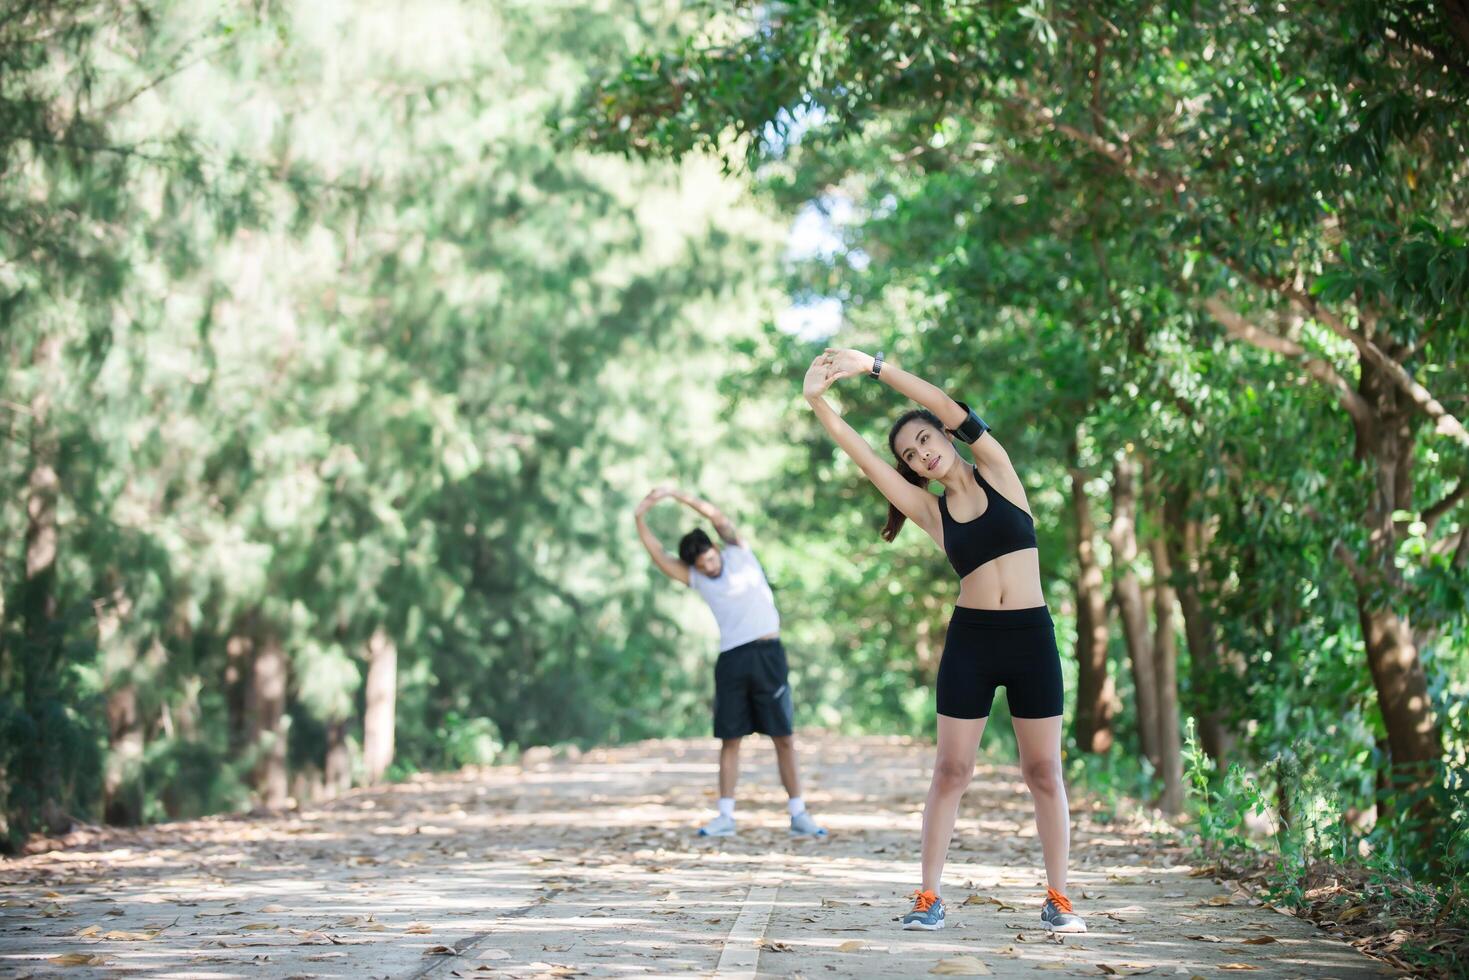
(1011, 581)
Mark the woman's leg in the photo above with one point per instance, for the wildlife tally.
(952, 768)
(1040, 762)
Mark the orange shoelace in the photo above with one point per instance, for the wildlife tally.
(1061, 901)
(923, 901)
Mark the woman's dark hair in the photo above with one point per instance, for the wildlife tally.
(896, 518)
(693, 544)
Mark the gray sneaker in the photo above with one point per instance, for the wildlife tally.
(720, 826)
(1057, 916)
(927, 914)
(803, 826)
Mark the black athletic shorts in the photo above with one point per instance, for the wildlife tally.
(1010, 648)
(752, 692)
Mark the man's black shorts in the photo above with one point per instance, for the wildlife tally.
(752, 692)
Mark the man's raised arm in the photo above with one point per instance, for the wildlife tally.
(667, 564)
(722, 524)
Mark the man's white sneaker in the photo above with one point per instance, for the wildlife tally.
(720, 826)
(803, 826)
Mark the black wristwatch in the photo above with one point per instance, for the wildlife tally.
(876, 365)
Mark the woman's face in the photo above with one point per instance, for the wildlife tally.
(925, 450)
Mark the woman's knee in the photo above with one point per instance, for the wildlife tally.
(952, 775)
(1043, 776)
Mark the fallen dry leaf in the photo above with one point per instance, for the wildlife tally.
(773, 946)
(275, 908)
(78, 959)
(121, 936)
(89, 931)
(441, 951)
(961, 966)
(1125, 969)
(1206, 939)
(418, 929)
(1237, 966)
(851, 946)
(1261, 941)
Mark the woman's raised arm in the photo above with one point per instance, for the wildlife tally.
(916, 503)
(955, 416)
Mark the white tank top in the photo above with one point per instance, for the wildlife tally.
(739, 598)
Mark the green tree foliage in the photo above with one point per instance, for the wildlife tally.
(1229, 243)
(312, 336)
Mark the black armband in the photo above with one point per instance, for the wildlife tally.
(971, 428)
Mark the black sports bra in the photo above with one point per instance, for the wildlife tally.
(1001, 529)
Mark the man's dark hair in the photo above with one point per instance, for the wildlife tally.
(694, 544)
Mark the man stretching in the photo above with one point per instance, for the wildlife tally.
(751, 690)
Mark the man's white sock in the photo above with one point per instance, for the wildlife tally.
(796, 805)
(726, 806)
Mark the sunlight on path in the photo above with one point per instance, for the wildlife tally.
(587, 867)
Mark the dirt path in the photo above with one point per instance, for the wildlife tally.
(588, 868)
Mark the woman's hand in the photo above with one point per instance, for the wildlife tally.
(847, 363)
(819, 377)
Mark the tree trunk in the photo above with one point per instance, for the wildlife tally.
(37, 768)
(1096, 699)
(122, 799)
(1128, 594)
(338, 767)
(1165, 659)
(38, 605)
(239, 658)
(1413, 733)
(267, 707)
(1187, 541)
(121, 792)
(1382, 784)
(382, 693)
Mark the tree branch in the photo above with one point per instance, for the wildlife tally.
(1120, 156)
(179, 65)
(1241, 329)
(1445, 423)
(1433, 514)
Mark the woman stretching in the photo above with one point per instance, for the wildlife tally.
(1000, 634)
